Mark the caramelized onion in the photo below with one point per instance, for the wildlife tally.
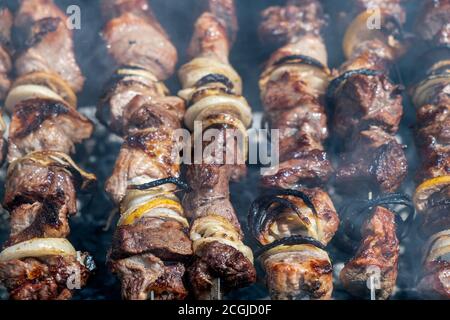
(39, 247)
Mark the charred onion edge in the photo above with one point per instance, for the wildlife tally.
(292, 240)
(258, 215)
(149, 185)
(294, 59)
(386, 199)
(337, 82)
(215, 77)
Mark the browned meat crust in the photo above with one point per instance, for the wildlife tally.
(165, 239)
(220, 261)
(435, 281)
(143, 274)
(6, 23)
(433, 24)
(376, 162)
(170, 286)
(47, 43)
(364, 101)
(42, 124)
(42, 279)
(211, 194)
(304, 274)
(131, 38)
(379, 249)
(281, 25)
(151, 153)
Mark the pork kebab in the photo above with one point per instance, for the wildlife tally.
(6, 23)
(296, 219)
(151, 242)
(213, 91)
(368, 109)
(431, 97)
(38, 262)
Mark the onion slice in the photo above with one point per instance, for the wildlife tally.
(27, 92)
(39, 247)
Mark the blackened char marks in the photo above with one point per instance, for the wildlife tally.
(379, 249)
(367, 100)
(281, 25)
(220, 261)
(32, 114)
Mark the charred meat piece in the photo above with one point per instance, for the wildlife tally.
(143, 274)
(220, 261)
(363, 101)
(433, 138)
(39, 220)
(140, 41)
(6, 23)
(281, 25)
(165, 239)
(46, 43)
(135, 102)
(301, 272)
(210, 195)
(433, 24)
(307, 168)
(210, 39)
(379, 251)
(435, 278)
(42, 278)
(150, 154)
(45, 175)
(376, 161)
(43, 124)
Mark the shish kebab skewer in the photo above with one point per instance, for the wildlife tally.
(38, 262)
(431, 97)
(6, 24)
(295, 221)
(213, 90)
(151, 242)
(367, 113)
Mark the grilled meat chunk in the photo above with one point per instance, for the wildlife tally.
(433, 139)
(43, 278)
(170, 286)
(300, 272)
(307, 168)
(165, 239)
(211, 194)
(140, 41)
(433, 24)
(210, 39)
(363, 101)
(379, 250)
(43, 124)
(220, 261)
(135, 103)
(140, 275)
(41, 26)
(376, 161)
(39, 220)
(146, 155)
(225, 12)
(6, 23)
(436, 281)
(30, 181)
(281, 25)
